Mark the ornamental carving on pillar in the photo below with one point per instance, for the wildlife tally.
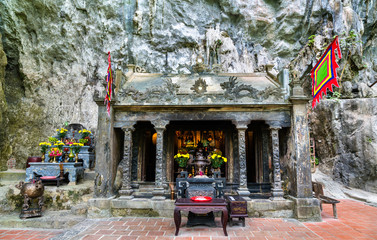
(125, 164)
(242, 157)
(160, 126)
(159, 164)
(276, 157)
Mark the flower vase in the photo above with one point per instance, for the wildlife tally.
(54, 160)
(43, 157)
(77, 158)
(71, 155)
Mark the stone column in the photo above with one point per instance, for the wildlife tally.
(277, 191)
(243, 191)
(125, 164)
(158, 192)
(103, 184)
(306, 207)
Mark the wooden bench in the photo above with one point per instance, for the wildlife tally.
(318, 192)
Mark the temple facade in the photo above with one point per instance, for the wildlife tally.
(253, 119)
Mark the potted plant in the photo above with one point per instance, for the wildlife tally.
(217, 159)
(182, 157)
(85, 134)
(76, 147)
(44, 148)
(62, 132)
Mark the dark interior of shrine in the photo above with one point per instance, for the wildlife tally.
(205, 135)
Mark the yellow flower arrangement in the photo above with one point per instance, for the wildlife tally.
(61, 132)
(85, 133)
(182, 159)
(217, 160)
(59, 144)
(76, 147)
(44, 147)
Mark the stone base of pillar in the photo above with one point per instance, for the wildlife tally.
(125, 192)
(307, 209)
(244, 192)
(277, 194)
(158, 194)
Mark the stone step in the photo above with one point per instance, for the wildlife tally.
(89, 174)
(259, 187)
(13, 175)
(143, 194)
(49, 219)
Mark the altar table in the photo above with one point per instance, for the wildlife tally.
(75, 170)
(186, 204)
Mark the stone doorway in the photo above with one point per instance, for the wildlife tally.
(257, 157)
(190, 134)
(144, 139)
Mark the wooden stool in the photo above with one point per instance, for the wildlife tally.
(237, 208)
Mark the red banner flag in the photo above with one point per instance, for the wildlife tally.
(324, 72)
(109, 80)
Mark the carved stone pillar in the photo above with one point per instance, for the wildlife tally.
(277, 191)
(125, 164)
(158, 192)
(307, 207)
(242, 190)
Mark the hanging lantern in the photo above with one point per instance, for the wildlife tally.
(154, 138)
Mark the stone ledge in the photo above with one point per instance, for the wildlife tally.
(49, 219)
(269, 208)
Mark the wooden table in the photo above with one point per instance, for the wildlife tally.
(186, 204)
(56, 180)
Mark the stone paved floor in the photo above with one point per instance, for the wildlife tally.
(356, 221)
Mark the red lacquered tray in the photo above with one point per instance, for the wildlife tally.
(201, 198)
(48, 177)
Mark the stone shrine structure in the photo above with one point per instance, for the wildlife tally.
(253, 118)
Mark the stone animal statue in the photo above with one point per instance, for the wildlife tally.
(30, 191)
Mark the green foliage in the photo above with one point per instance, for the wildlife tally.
(311, 40)
(370, 140)
(334, 96)
(316, 160)
(349, 41)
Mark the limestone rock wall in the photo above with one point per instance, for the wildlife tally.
(57, 51)
(4, 145)
(345, 134)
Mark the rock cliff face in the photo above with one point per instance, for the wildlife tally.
(4, 145)
(346, 141)
(56, 51)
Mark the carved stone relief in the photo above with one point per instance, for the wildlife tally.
(168, 93)
(126, 161)
(200, 86)
(242, 156)
(277, 190)
(159, 163)
(160, 172)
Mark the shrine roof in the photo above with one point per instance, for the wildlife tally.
(199, 89)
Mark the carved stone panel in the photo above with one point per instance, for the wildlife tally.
(277, 191)
(242, 156)
(168, 93)
(160, 172)
(125, 164)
